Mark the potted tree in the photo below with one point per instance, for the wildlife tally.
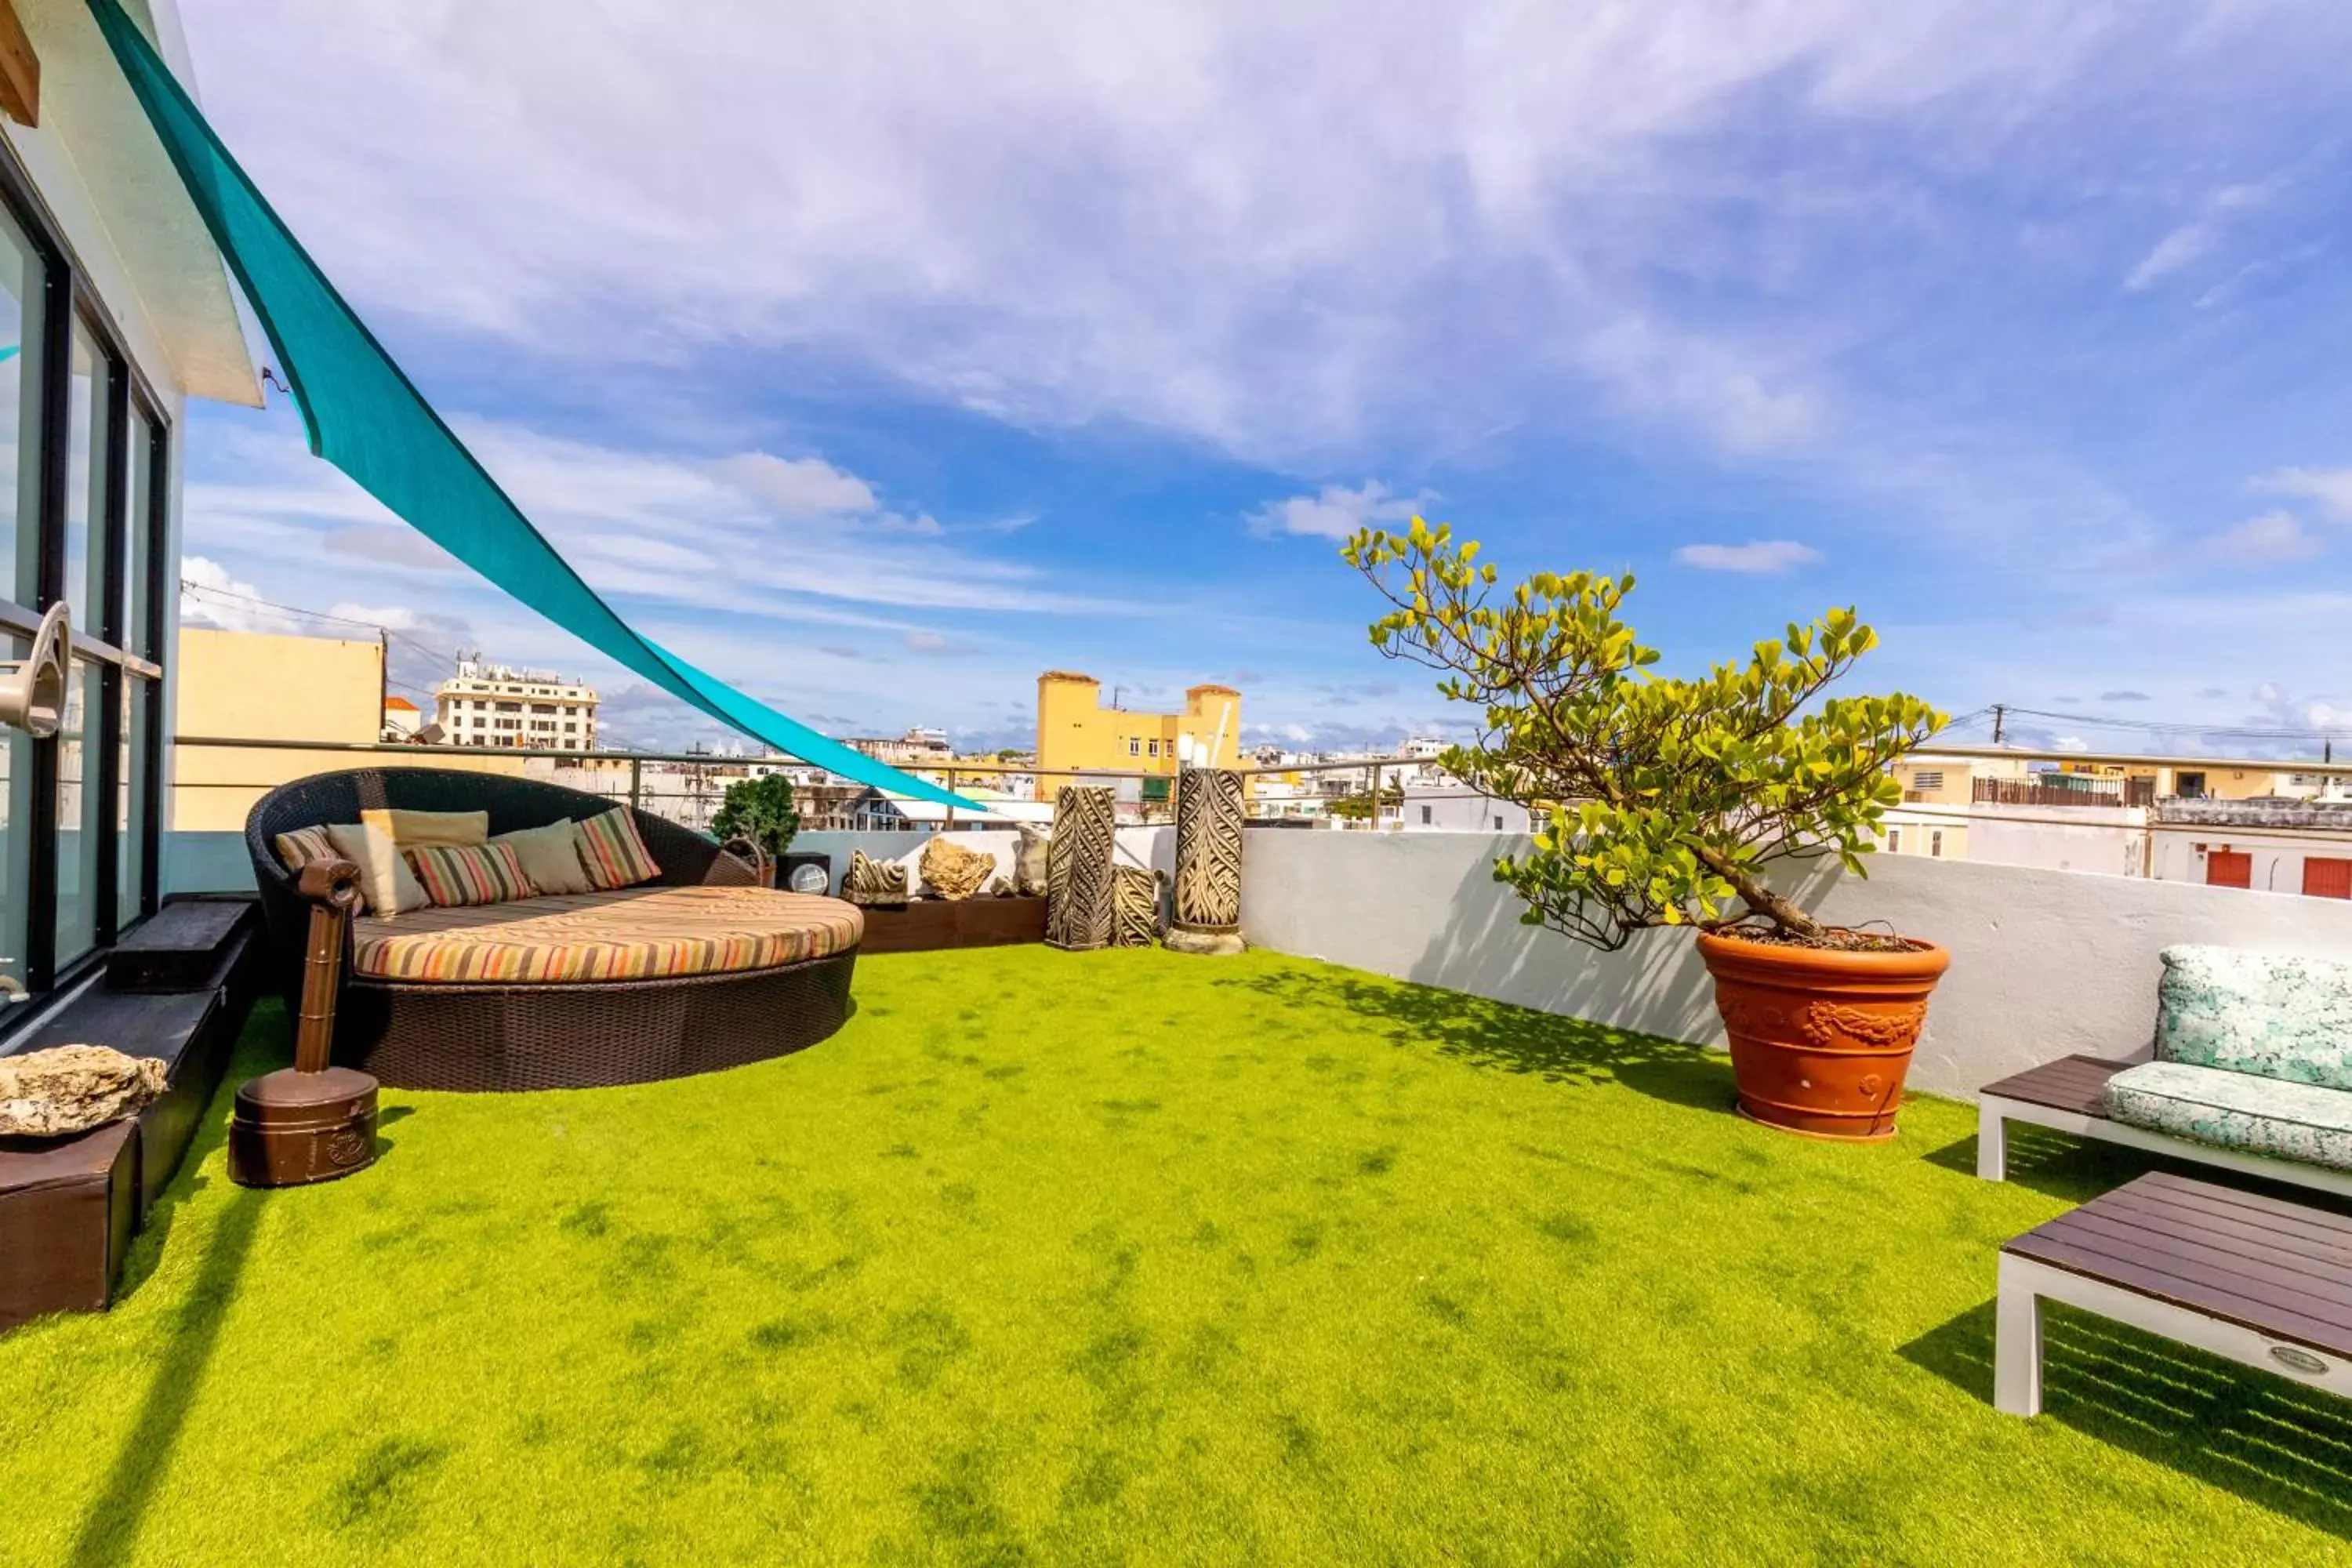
(1679, 802)
(758, 812)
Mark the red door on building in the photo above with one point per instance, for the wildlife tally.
(2229, 869)
(2325, 878)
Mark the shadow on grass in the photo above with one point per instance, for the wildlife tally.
(111, 1526)
(266, 1043)
(2054, 1164)
(1495, 1035)
(2078, 1170)
(2271, 1441)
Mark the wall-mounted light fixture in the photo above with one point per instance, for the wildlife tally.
(33, 695)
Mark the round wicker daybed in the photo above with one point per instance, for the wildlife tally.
(697, 970)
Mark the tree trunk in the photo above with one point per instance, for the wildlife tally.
(1763, 900)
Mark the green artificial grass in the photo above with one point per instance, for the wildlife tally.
(1131, 1257)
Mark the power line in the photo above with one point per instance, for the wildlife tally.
(187, 586)
(388, 633)
(2174, 727)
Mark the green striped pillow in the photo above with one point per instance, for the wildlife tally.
(458, 874)
(615, 854)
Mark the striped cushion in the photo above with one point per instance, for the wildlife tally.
(613, 853)
(654, 933)
(304, 845)
(454, 875)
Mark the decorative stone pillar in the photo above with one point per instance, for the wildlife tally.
(1136, 906)
(1208, 863)
(1079, 915)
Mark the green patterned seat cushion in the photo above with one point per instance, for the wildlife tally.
(2237, 1110)
(2265, 1013)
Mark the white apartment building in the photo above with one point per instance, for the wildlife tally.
(493, 705)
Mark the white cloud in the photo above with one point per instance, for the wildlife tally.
(2331, 488)
(798, 487)
(1743, 403)
(1335, 512)
(393, 544)
(1758, 556)
(2266, 540)
(1059, 214)
(2220, 212)
(211, 596)
(391, 617)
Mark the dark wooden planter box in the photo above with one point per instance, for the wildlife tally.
(928, 924)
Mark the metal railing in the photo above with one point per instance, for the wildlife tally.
(700, 798)
(1355, 776)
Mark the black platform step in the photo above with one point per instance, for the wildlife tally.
(183, 947)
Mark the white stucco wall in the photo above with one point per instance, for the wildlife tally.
(1152, 848)
(2044, 963)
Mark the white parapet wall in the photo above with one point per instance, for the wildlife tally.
(2044, 963)
(1151, 848)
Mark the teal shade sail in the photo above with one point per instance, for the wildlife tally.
(364, 417)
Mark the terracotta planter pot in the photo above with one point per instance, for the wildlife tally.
(1820, 1040)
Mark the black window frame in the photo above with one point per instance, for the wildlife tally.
(69, 301)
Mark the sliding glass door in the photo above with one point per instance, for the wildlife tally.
(21, 271)
(83, 482)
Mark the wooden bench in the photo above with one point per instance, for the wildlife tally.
(2068, 1096)
(2257, 1279)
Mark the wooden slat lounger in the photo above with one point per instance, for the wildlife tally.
(2066, 1096)
(2254, 1278)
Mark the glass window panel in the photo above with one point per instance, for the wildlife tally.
(16, 814)
(131, 802)
(81, 814)
(20, 432)
(139, 472)
(85, 488)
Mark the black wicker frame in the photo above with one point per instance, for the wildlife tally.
(535, 1036)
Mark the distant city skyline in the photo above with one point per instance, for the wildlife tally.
(1064, 338)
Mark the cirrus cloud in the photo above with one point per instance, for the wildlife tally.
(1759, 557)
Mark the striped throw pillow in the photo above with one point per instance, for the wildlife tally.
(613, 853)
(304, 845)
(458, 874)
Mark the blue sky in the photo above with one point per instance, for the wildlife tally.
(880, 358)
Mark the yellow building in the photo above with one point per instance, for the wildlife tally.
(1930, 778)
(1077, 734)
(253, 686)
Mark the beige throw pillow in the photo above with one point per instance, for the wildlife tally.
(550, 856)
(386, 880)
(415, 829)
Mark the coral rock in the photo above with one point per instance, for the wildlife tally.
(72, 1089)
(874, 883)
(952, 872)
(1029, 861)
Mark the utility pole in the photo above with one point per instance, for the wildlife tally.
(2000, 712)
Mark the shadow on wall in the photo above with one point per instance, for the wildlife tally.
(1656, 982)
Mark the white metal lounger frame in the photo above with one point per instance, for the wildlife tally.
(2027, 1282)
(1994, 1114)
